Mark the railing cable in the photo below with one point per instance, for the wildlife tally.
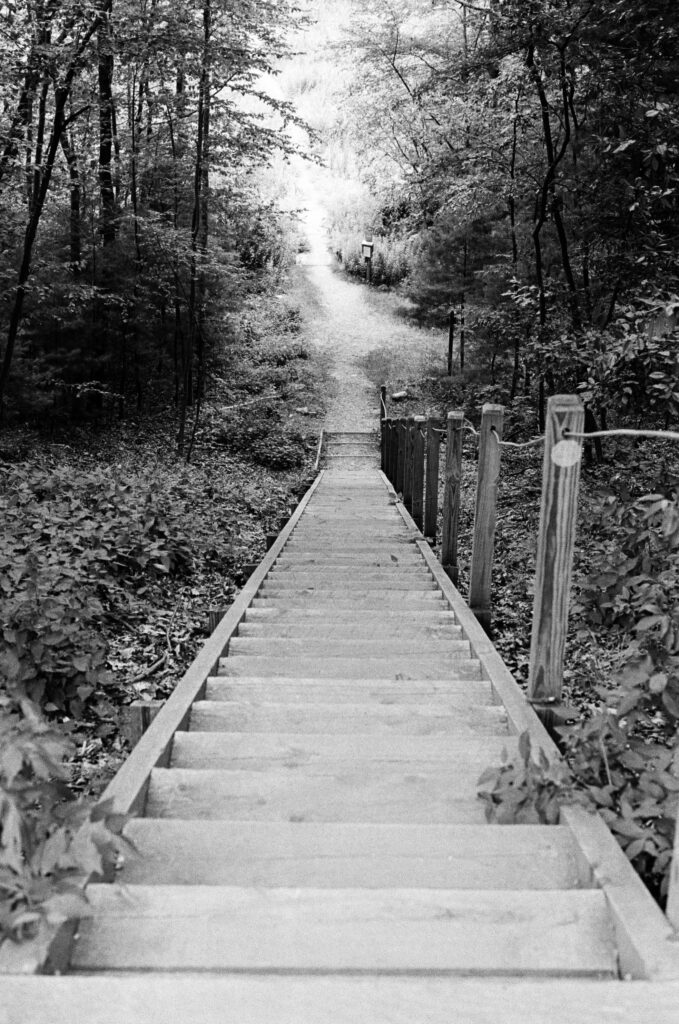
(670, 435)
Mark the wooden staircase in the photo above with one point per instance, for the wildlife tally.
(311, 845)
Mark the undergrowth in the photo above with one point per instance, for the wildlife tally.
(112, 552)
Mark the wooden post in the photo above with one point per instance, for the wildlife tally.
(485, 515)
(386, 443)
(138, 718)
(556, 540)
(388, 451)
(383, 428)
(215, 615)
(400, 454)
(451, 337)
(408, 464)
(393, 449)
(431, 493)
(418, 471)
(451, 493)
(672, 910)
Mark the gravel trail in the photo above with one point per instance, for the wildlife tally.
(347, 321)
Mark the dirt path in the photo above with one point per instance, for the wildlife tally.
(348, 322)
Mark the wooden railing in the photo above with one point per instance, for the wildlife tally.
(411, 460)
(410, 449)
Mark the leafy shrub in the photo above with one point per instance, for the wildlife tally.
(280, 450)
(67, 555)
(391, 260)
(49, 844)
(528, 792)
(623, 761)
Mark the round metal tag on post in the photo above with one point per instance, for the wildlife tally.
(367, 246)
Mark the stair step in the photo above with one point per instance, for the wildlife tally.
(332, 999)
(411, 632)
(323, 562)
(380, 793)
(352, 691)
(329, 595)
(326, 930)
(310, 575)
(245, 750)
(361, 718)
(331, 854)
(380, 579)
(336, 754)
(398, 666)
(347, 646)
(267, 612)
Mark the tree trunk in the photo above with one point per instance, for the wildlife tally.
(75, 204)
(29, 242)
(105, 80)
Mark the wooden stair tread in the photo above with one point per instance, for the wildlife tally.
(335, 931)
(395, 666)
(378, 584)
(306, 627)
(336, 854)
(365, 718)
(269, 612)
(327, 597)
(275, 999)
(383, 793)
(348, 646)
(329, 752)
(450, 693)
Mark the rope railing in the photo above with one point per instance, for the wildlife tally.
(411, 454)
(669, 435)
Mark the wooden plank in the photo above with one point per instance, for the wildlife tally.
(389, 626)
(556, 541)
(431, 494)
(483, 546)
(335, 752)
(269, 612)
(401, 432)
(451, 493)
(646, 941)
(417, 477)
(332, 855)
(398, 666)
(673, 894)
(395, 930)
(408, 463)
(450, 692)
(274, 999)
(345, 646)
(389, 559)
(362, 576)
(366, 718)
(385, 794)
(341, 599)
